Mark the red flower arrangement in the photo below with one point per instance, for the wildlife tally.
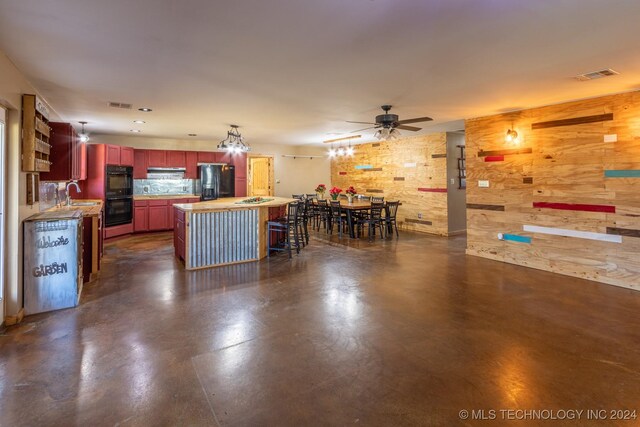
(334, 192)
(351, 191)
(321, 188)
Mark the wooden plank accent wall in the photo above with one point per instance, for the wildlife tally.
(582, 218)
(400, 168)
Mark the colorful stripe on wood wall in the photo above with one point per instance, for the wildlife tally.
(575, 207)
(629, 173)
(342, 173)
(573, 233)
(494, 159)
(573, 121)
(527, 180)
(515, 238)
(628, 232)
(363, 167)
(433, 190)
(507, 152)
(398, 178)
(439, 156)
(485, 207)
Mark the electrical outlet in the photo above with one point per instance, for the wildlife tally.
(483, 184)
(419, 216)
(453, 181)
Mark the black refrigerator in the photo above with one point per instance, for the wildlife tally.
(216, 181)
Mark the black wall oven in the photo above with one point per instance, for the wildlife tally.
(118, 195)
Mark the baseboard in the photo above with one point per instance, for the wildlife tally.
(12, 320)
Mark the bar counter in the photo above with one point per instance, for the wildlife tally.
(221, 232)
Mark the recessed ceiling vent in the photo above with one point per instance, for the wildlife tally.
(120, 105)
(596, 75)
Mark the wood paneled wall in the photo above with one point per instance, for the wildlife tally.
(412, 170)
(567, 197)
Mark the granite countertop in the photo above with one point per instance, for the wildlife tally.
(85, 210)
(164, 196)
(231, 203)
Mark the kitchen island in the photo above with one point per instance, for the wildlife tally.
(225, 231)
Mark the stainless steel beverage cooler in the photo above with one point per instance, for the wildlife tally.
(52, 261)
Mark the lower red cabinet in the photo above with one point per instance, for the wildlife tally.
(156, 214)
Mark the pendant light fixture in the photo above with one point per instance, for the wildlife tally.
(84, 136)
(234, 142)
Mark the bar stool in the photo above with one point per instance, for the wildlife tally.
(287, 231)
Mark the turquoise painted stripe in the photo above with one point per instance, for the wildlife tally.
(629, 173)
(516, 238)
(364, 167)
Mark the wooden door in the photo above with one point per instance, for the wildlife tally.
(260, 175)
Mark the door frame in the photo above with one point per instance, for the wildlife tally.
(272, 190)
(3, 213)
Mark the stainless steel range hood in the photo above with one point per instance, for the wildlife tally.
(165, 173)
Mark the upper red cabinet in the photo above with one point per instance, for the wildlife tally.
(207, 157)
(68, 155)
(176, 159)
(126, 156)
(191, 159)
(156, 158)
(139, 164)
(113, 155)
(240, 162)
(119, 156)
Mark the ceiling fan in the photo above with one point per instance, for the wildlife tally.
(388, 124)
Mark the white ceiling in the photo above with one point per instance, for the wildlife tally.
(291, 71)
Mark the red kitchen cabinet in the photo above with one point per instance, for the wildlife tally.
(241, 187)
(113, 155)
(207, 157)
(240, 162)
(139, 164)
(191, 164)
(126, 156)
(176, 159)
(158, 215)
(140, 217)
(179, 234)
(224, 157)
(157, 158)
(68, 155)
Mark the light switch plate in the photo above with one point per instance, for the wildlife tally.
(611, 138)
(483, 184)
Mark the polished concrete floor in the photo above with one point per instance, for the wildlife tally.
(398, 332)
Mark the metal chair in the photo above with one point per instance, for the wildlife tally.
(373, 219)
(323, 214)
(337, 217)
(297, 196)
(390, 217)
(377, 199)
(287, 231)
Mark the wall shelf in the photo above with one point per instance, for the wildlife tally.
(35, 135)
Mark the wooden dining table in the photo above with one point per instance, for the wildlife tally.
(350, 208)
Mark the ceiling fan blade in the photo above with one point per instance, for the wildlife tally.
(360, 130)
(416, 120)
(362, 123)
(411, 128)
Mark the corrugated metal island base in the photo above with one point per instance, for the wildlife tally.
(221, 232)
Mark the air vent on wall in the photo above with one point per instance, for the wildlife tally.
(596, 74)
(120, 105)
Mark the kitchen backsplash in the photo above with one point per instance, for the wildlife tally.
(164, 186)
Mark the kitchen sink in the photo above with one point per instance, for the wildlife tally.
(74, 203)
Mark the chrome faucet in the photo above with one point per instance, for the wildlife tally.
(67, 191)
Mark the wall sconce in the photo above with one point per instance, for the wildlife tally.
(512, 136)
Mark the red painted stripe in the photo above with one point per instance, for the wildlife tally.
(575, 207)
(433, 190)
(494, 159)
(342, 173)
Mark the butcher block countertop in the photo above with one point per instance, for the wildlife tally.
(93, 210)
(232, 203)
(164, 196)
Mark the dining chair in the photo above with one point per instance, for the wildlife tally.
(324, 215)
(390, 217)
(373, 219)
(364, 198)
(285, 230)
(377, 199)
(337, 217)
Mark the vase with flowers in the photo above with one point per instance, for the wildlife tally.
(351, 193)
(335, 192)
(320, 190)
